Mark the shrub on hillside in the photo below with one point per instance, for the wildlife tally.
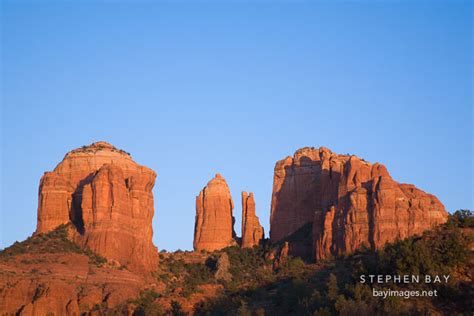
(55, 241)
(334, 289)
(188, 276)
(146, 304)
(247, 264)
(462, 218)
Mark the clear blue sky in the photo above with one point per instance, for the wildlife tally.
(191, 89)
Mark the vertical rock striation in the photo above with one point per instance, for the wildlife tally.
(214, 226)
(252, 231)
(344, 202)
(108, 197)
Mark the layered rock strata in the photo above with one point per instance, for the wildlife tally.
(345, 202)
(214, 225)
(252, 231)
(108, 197)
(62, 284)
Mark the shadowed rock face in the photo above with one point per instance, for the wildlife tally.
(214, 227)
(108, 198)
(347, 201)
(252, 231)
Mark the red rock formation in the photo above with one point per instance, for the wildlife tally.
(282, 255)
(28, 297)
(252, 231)
(54, 202)
(214, 227)
(348, 203)
(62, 284)
(109, 199)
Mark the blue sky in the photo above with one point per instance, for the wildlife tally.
(195, 88)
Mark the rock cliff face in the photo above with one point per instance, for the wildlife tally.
(214, 226)
(108, 197)
(252, 231)
(344, 202)
(62, 284)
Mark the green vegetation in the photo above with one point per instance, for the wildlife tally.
(97, 147)
(248, 266)
(462, 218)
(335, 288)
(187, 276)
(291, 266)
(293, 287)
(55, 241)
(146, 304)
(176, 309)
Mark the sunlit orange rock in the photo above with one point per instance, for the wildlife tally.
(214, 226)
(108, 197)
(252, 231)
(345, 202)
(62, 284)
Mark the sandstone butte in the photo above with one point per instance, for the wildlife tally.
(214, 225)
(327, 204)
(323, 204)
(252, 231)
(108, 198)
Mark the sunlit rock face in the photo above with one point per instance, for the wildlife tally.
(328, 204)
(252, 231)
(214, 226)
(108, 197)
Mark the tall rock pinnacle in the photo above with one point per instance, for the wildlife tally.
(252, 231)
(343, 202)
(214, 226)
(108, 197)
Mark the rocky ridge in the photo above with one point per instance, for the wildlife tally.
(323, 205)
(346, 203)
